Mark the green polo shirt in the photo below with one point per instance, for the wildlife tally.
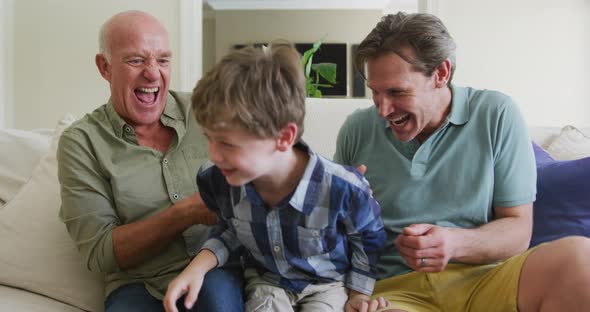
(481, 157)
(108, 179)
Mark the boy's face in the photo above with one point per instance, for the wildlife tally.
(242, 157)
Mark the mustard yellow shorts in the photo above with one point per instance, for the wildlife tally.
(460, 287)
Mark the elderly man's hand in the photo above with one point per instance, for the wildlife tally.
(196, 209)
(425, 247)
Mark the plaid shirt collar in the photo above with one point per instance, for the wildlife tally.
(305, 196)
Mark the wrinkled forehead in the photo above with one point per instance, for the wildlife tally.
(139, 41)
(136, 27)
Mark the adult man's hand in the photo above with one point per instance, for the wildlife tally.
(425, 247)
(197, 210)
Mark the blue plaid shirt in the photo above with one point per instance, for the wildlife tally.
(329, 229)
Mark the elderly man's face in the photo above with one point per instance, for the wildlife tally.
(139, 70)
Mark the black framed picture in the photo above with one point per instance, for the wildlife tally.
(358, 82)
(328, 53)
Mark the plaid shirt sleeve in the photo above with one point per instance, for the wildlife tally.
(222, 239)
(366, 236)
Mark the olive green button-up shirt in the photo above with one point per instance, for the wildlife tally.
(107, 179)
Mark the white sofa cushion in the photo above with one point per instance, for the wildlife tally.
(14, 299)
(21, 151)
(37, 252)
(571, 144)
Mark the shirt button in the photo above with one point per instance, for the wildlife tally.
(165, 160)
(127, 129)
(277, 249)
(235, 222)
(315, 233)
(175, 196)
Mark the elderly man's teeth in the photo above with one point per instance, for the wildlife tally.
(149, 90)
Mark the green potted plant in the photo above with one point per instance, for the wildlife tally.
(313, 72)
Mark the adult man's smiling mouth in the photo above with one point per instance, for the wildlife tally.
(399, 121)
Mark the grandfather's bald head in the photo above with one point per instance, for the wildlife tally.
(120, 22)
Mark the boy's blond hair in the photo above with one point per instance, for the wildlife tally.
(259, 89)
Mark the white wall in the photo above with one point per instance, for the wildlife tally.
(6, 35)
(537, 51)
(261, 26)
(54, 47)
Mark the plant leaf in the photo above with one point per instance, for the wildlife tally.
(307, 57)
(307, 68)
(326, 70)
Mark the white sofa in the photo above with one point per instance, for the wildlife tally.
(40, 269)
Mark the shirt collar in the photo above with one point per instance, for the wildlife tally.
(459, 114)
(459, 106)
(306, 195)
(172, 113)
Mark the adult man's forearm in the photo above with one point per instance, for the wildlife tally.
(135, 242)
(500, 239)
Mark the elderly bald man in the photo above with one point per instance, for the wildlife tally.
(127, 174)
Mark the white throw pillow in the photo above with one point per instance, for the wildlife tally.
(37, 253)
(571, 144)
(20, 152)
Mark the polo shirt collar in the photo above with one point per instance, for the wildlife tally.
(459, 114)
(459, 106)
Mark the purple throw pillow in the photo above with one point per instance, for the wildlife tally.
(562, 207)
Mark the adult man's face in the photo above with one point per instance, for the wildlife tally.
(406, 98)
(138, 68)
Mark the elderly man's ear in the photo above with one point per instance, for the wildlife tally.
(103, 66)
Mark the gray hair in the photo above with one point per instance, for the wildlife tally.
(424, 33)
(102, 42)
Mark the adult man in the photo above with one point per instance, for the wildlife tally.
(454, 172)
(127, 174)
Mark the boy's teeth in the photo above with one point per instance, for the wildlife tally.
(148, 90)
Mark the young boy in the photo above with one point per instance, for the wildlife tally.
(311, 227)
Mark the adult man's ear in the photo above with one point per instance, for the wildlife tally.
(442, 73)
(103, 66)
(287, 137)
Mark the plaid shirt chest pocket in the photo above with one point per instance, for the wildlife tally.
(314, 241)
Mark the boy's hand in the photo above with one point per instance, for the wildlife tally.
(188, 282)
(363, 303)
